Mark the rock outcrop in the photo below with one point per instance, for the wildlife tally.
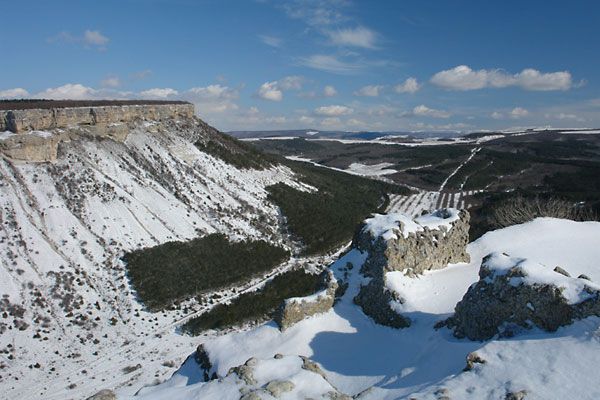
(40, 119)
(514, 293)
(34, 134)
(104, 395)
(395, 242)
(296, 309)
(279, 377)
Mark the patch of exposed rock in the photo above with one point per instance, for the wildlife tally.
(103, 395)
(514, 293)
(296, 309)
(279, 377)
(395, 242)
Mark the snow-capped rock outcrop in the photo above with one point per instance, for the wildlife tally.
(396, 242)
(518, 293)
(296, 309)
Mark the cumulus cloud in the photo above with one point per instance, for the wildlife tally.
(213, 92)
(306, 119)
(411, 85)
(497, 115)
(70, 91)
(333, 111)
(15, 93)
(424, 111)
(329, 91)
(159, 93)
(518, 112)
(111, 82)
(354, 37)
(272, 41)
(333, 122)
(273, 91)
(369, 91)
(464, 78)
(270, 91)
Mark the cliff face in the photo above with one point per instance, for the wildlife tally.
(18, 121)
(34, 134)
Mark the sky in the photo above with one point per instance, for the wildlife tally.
(402, 65)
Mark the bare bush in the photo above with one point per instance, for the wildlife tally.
(519, 209)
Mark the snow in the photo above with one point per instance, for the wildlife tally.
(387, 226)
(8, 134)
(572, 289)
(582, 132)
(357, 354)
(371, 170)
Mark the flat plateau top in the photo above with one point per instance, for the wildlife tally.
(45, 104)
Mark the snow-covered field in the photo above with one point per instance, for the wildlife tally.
(361, 357)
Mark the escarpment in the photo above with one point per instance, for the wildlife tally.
(395, 242)
(33, 134)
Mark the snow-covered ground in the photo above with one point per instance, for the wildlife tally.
(64, 227)
(359, 356)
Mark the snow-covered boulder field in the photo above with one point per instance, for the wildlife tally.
(368, 361)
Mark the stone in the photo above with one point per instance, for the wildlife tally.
(294, 310)
(103, 395)
(561, 271)
(277, 388)
(419, 251)
(584, 276)
(520, 395)
(472, 359)
(502, 302)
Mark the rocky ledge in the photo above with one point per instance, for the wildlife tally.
(396, 242)
(296, 309)
(514, 294)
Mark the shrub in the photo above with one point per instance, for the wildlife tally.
(256, 305)
(519, 209)
(174, 271)
(234, 152)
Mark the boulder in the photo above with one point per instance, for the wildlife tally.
(515, 293)
(296, 309)
(103, 395)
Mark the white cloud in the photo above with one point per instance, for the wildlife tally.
(270, 91)
(159, 93)
(273, 91)
(356, 37)
(272, 41)
(329, 91)
(497, 115)
(15, 93)
(333, 122)
(213, 92)
(111, 82)
(408, 86)
(518, 112)
(333, 111)
(69, 91)
(306, 120)
(424, 111)
(95, 38)
(464, 78)
(330, 63)
(316, 13)
(89, 38)
(369, 91)
(276, 120)
(290, 83)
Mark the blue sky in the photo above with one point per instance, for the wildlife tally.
(323, 64)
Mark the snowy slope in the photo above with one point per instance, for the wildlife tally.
(69, 321)
(376, 362)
